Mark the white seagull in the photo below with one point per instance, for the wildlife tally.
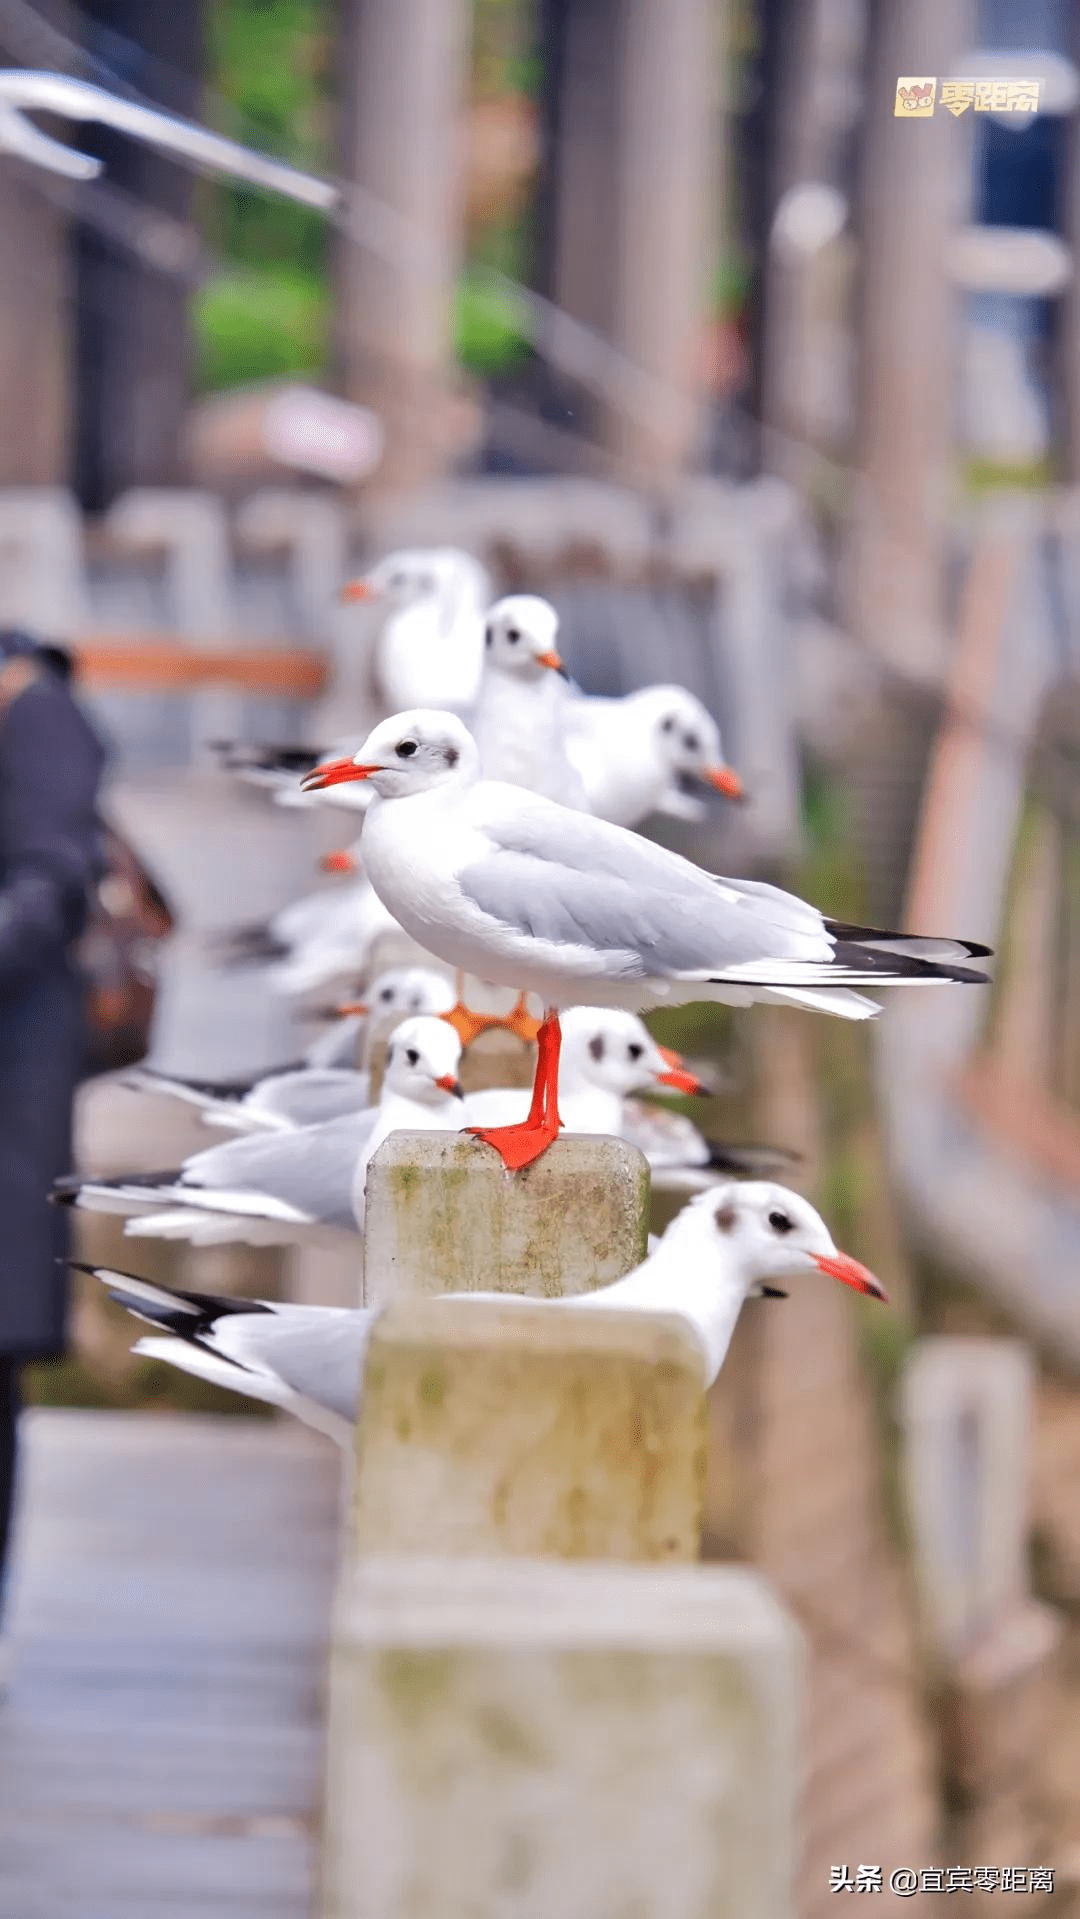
(519, 724)
(273, 1188)
(733, 1243)
(606, 1057)
(521, 891)
(328, 1083)
(431, 645)
(633, 754)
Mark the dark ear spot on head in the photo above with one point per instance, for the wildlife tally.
(726, 1216)
(451, 755)
(596, 1046)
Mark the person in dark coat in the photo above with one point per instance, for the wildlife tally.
(50, 838)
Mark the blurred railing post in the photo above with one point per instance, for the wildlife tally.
(965, 1409)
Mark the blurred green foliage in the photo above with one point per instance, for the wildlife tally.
(269, 74)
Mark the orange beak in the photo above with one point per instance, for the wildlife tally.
(725, 780)
(341, 862)
(450, 1085)
(677, 1074)
(335, 773)
(554, 660)
(355, 590)
(352, 1009)
(852, 1273)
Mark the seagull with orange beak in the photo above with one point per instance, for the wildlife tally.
(639, 755)
(727, 1246)
(518, 724)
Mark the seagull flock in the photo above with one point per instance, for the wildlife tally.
(494, 821)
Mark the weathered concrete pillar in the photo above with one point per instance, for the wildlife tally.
(576, 1740)
(915, 193)
(444, 1215)
(403, 75)
(629, 201)
(497, 1427)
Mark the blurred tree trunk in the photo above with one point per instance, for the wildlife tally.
(35, 299)
(133, 337)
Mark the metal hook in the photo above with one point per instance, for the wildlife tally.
(21, 90)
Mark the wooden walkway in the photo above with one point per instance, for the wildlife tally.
(161, 1741)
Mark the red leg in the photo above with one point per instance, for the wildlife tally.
(518, 1146)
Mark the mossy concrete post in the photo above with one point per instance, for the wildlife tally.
(444, 1216)
(506, 1426)
(547, 1740)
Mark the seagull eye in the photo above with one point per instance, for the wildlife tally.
(413, 1056)
(781, 1222)
(398, 579)
(386, 995)
(667, 725)
(634, 1050)
(691, 742)
(405, 749)
(513, 634)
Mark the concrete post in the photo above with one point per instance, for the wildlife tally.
(43, 576)
(188, 529)
(966, 1411)
(403, 72)
(502, 1427)
(444, 1215)
(627, 244)
(671, 65)
(537, 1739)
(35, 306)
(966, 1415)
(915, 193)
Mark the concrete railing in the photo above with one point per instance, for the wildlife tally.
(536, 1695)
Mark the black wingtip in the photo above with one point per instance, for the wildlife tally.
(851, 934)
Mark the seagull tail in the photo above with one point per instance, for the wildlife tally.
(188, 1316)
(215, 1369)
(751, 1161)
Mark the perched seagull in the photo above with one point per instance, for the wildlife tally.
(318, 1090)
(608, 1055)
(431, 645)
(323, 937)
(633, 754)
(730, 1244)
(521, 891)
(518, 724)
(270, 1188)
(360, 1024)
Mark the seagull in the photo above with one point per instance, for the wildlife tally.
(607, 1055)
(272, 1188)
(431, 646)
(521, 891)
(632, 755)
(732, 1243)
(518, 724)
(315, 940)
(358, 1025)
(324, 1087)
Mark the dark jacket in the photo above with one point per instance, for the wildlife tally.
(50, 767)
